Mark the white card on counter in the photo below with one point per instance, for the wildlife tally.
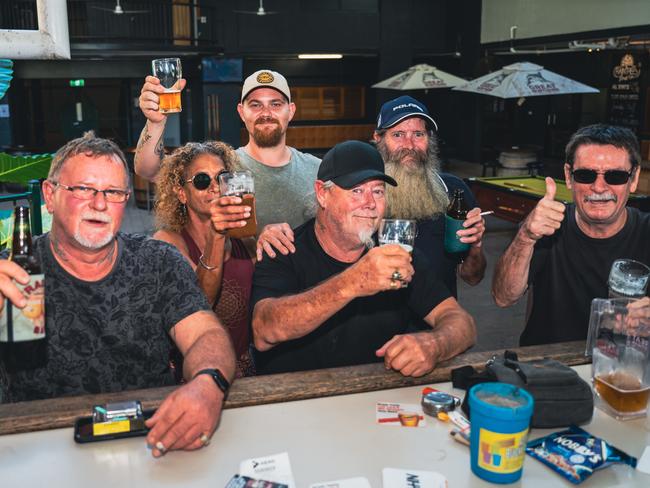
(358, 482)
(276, 468)
(400, 414)
(408, 478)
(643, 464)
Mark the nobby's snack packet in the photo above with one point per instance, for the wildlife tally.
(576, 454)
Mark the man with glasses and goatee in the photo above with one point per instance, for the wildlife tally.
(564, 252)
(115, 304)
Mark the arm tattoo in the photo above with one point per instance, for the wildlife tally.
(160, 148)
(144, 137)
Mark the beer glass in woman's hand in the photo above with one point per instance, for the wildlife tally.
(240, 184)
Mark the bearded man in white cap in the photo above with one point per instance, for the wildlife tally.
(284, 177)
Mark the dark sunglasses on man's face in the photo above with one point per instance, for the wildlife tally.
(612, 176)
(201, 181)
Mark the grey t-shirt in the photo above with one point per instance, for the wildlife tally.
(284, 194)
(108, 335)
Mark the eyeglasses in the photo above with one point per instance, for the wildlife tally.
(88, 192)
(201, 181)
(612, 176)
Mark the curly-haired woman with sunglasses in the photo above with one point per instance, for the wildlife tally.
(191, 215)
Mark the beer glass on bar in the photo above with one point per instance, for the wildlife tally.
(398, 231)
(619, 345)
(240, 184)
(169, 72)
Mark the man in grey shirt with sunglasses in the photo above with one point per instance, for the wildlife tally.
(564, 252)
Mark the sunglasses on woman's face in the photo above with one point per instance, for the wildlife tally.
(612, 176)
(201, 181)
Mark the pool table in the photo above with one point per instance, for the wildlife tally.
(512, 198)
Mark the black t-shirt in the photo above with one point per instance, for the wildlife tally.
(112, 334)
(569, 269)
(354, 333)
(431, 236)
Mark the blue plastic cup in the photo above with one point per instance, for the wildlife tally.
(500, 415)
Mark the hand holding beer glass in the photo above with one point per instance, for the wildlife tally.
(169, 72)
(619, 343)
(401, 232)
(398, 231)
(628, 279)
(240, 184)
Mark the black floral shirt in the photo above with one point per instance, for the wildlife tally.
(108, 335)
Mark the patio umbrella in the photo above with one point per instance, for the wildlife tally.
(420, 77)
(524, 79)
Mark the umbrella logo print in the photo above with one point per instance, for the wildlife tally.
(431, 81)
(397, 82)
(492, 83)
(540, 85)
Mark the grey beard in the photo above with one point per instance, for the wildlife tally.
(420, 193)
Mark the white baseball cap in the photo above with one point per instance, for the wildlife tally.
(266, 78)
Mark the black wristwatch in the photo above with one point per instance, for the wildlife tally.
(218, 377)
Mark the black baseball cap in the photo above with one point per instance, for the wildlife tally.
(352, 162)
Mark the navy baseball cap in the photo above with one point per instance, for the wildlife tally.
(352, 162)
(394, 111)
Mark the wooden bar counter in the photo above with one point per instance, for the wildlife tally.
(325, 421)
(61, 412)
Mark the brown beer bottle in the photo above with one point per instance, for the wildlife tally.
(23, 330)
(456, 215)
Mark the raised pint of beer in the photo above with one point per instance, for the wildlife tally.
(169, 72)
(240, 184)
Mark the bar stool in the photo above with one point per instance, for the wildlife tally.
(535, 168)
(490, 164)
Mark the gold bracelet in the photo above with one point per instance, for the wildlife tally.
(205, 266)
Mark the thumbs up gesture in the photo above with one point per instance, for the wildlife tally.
(547, 215)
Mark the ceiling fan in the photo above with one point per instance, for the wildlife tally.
(260, 11)
(118, 10)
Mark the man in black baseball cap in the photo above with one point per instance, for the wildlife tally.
(406, 138)
(338, 300)
(351, 163)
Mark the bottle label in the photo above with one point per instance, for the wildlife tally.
(25, 324)
(452, 241)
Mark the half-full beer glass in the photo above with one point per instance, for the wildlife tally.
(618, 341)
(240, 184)
(169, 72)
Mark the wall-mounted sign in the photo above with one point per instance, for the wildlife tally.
(624, 101)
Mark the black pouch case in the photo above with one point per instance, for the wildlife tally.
(561, 397)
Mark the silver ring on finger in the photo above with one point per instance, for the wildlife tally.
(205, 440)
(396, 276)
